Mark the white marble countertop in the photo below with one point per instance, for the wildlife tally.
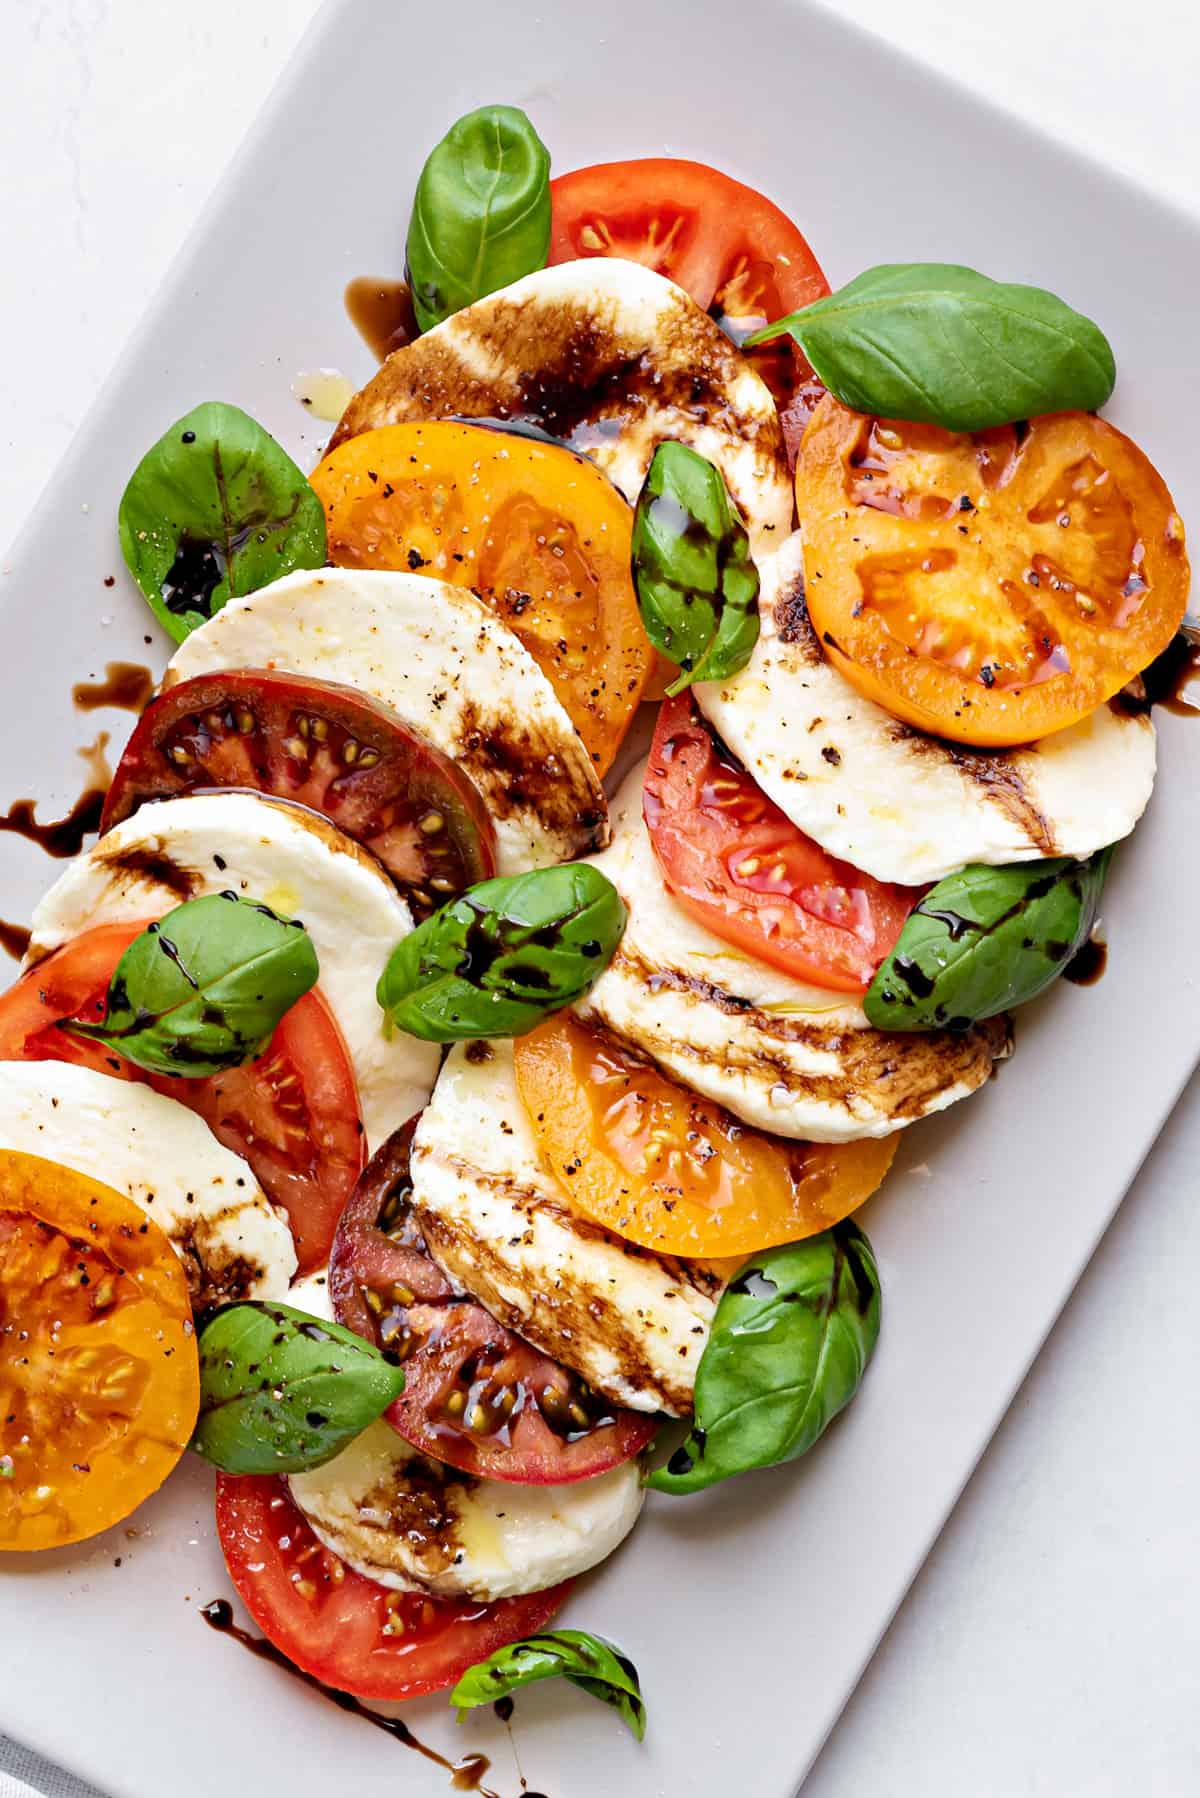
(1051, 1644)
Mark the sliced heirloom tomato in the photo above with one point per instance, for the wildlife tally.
(292, 1114)
(651, 1160)
(342, 1628)
(537, 531)
(476, 1395)
(325, 746)
(740, 866)
(99, 1376)
(731, 248)
(991, 587)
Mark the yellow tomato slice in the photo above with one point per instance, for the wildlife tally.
(537, 531)
(99, 1374)
(667, 1169)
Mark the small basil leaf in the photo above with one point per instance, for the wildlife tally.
(944, 344)
(696, 582)
(281, 1391)
(215, 509)
(790, 1342)
(504, 955)
(588, 1661)
(204, 988)
(481, 215)
(984, 940)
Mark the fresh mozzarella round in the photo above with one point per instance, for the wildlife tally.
(232, 1241)
(793, 1059)
(609, 356)
(901, 805)
(311, 1293)
(292, 860)
(445, 665)
(633, 1323)
(418, 1525)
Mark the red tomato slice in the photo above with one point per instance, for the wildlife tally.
(321, 745)
(730, 247)
(342, 1628)
(292, 1114)
(476, 1394)
(740, 866)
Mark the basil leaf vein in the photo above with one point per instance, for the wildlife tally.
(590, 1662)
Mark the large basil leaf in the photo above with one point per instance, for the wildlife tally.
(281, 1391)
(504, 955)
(791, 1340)
(215, 509)
(481, 215)
(944, 344)
(587, 1661)
(204, 988)
(984, 940)
(696, 582)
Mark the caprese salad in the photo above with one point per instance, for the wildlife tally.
(634, 777)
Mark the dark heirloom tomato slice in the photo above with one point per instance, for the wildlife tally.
(292, 1113)
(730, 247)
(325, 746)
(477, 1395)
(738, 864)
(343, 1628)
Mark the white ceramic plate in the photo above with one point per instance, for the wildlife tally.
(752, 1610)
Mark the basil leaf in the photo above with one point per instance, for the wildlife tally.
(588, 1661)
(940, 343)
(215, 509)
(281, 1391)
(984, 940)
(696, 582)
(481, 215)
(504, 955)
(790, 1342)
(204, 988)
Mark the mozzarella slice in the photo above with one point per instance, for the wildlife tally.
(612, 358)
(794, 1059)
(294, 861)
(633, 1323)
(232, 1241)
(417, 1525)
(451, 670)
(899, 804)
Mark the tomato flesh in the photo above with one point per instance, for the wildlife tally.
(325, 746)
(740, 866)
(292, 1114)
(669, 1170)
(991, 587)
(99, 1376)
(539, 533)
(343, 1628)
(476, 1395)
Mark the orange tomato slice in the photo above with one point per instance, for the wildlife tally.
(990, 587)
(667, 1169)
(537, 531)
(99, 1374)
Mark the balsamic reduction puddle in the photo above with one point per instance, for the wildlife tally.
(466, 1775)
(127, 687)
(1087, 965)
(1172, 680)
(14, 938)
(381, 311)
(64, 837)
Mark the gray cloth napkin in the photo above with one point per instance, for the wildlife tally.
(24, 1774)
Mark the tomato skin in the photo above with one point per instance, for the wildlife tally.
(740, 866)
(292, 1113)
(458, 1359)
(318, 744)
(98, 1361)
(332, 1622)
(669, 1170)
(991, 587)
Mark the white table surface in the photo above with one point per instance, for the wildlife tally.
(1052, 1643)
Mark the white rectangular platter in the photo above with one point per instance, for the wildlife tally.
(752, 1610)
